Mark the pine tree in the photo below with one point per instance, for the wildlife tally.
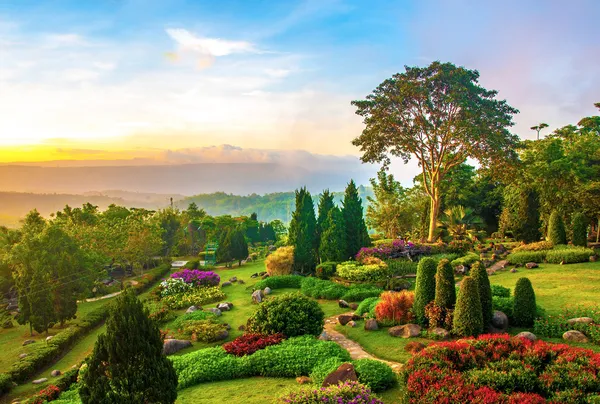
(303, 232)
(524, 306)
(239, 246)
(556, 229)
(445, 289)
(425, 287)
(326, 204)
(579, 230)
(480, 275)
(468, 318)
(127, 365)
(333, 240)
(357, 235)
(225, 249)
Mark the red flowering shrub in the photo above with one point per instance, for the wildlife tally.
(395, 307)
(50, 393)
(247, 344)
(502, 369)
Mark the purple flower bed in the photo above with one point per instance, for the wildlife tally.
(197, 277)
(395, 249)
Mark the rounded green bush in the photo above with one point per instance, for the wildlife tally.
(374, 374)
(579, 230)
(445, 289)
(366, 306)
(468, 319)
(524, 308)
(556, 229)
(479, 273)
(425, 287)
(291, 314)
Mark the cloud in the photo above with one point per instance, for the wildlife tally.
(208, 46)
(278, 73)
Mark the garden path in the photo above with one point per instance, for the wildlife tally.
(498, 266)
(355, 349)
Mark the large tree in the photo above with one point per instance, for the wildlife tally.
(333, 238)
(326, 204)
(303, 233)
(357, 235)
(439, 115)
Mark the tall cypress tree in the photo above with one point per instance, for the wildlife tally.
(357, 235)
(127, 365)
(239, 246)
(333, 238)
(445, 288)
(480, 275)
(425, 287)
(325, 205)
(556, 229)
(303, 233)
(579, 230)
(225, 249)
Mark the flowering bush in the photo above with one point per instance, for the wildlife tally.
(384, 251)
(349, 392)
(197, 278)
(353, 271)
(50, 393)
(195, 297)
(395, 308)
(501, 369)
(556, 326)
(439, 316)
(174, 286)
(249, 343)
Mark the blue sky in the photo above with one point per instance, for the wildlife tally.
(128, 76)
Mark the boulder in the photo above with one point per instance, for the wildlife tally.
(405, 331)
(343, 304)
(263, 273)
(531, 265)
(528, 335)
(241, 282)
(242, 328)
(28, 342)
(354, 306)
(224, 284)
(303, 380)
(575, 336)
(223, 307)
(460, 270)
(192, 309)
(344, 319)
(580, 320)
(351, 324)
(342, 374)
(55, 373)
(222, 335)
(371, 324)
(49, 338)
(170, 346)
(500, 320)
(40, 381)
(513, 271)
(227, 326)
(414, 347)
(257, 296)
(439, 332)
(267, 291)
(254, 275)
(265, 276)
(215, 311)
(233, 279)
(22, 356)
(593, 258)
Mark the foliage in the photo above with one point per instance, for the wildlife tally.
(247, 344)
(239, 246)
(357, 235)
(466, 260)
(389, 249)
(202, 330)
(49, 393)
(506, 306)
(480, 275)
(445, 289)
(174, 287)
(395, 308)
(459, 223)
(437, 316)
(425, 287)
(569, 255)
(500, 291)
(303, 232)
(280, 282)
(193, 316)
(401, 267)
(468, 317)
(197, 278)
(347, 392)
(159, 312)
(374, 374)
(556, 326)
(523, 257)
(332, 244)
(320, 289)
(520, 214)
(326, 204)
(132, 342)
(353, 271)
(195, 297)
(579, 230)
(291, 314)
(5, 383)
(524, 308)
(538, 246)
(557, 234)
(281, 261)
(326, 270)
(367, 306)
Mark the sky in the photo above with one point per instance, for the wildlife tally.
(123, 79)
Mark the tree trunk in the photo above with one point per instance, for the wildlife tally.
(598, 231)
(433, 214)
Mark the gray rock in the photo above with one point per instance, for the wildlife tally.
(40, 381)
(460, 270)
(28, 342)
(531, 265)
(222, 335)
(267, 291)
(405, 331)
(580, 320)
(227, 326)
(225, 284)
(241, 282)
(575, 336)
(257, 296)
(440, 332)
(23, 355)
(242, 328)
(255, 275)
(223, 307)
(371, 324)
(343, 304)
(55, 373)
(500, 320)
(344, 319)
(324, 336)
(593, 258)
(233, 279)
(215, 311)
(513, 271)
(528, 335)
(192, 309)
(351, 324)
(170, 346)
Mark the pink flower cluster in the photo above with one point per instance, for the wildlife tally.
(197, 277)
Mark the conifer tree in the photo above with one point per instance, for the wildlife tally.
(127, 365)
(579, 230)
(357, 235)
(480, 275)
(468, 319)
(445, 289)
(326, 204)
(524, 306)
(303, 233)
(333, 240)
(225, 249)
(556, 229)
(425, 287)
(239, 246)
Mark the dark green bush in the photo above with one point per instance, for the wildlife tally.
(479, 274)
(468, 318)
(358, 293)
(569, 255)
(425, 287)
(280, 282)
(401, 267)
(523, 257)
(556, 229)
(326, 270)
(291, 314)
(505, 305)
(5, 383)
(445, 289)
(321, 289)
(500, 291)
(367, 306)
(579, 230)
(524, 307)
(466, 260)
(374, 374)
(208, 365)
(194, 264)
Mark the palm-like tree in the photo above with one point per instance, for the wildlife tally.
(460, 223)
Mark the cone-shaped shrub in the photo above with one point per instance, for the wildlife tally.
(556, 229)
(425, 287)
(524, 303)
(468, 320)
(445, 289)
(579, 230)
(479, 273)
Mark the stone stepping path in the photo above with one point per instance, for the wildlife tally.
(498, 266)
(355, 350)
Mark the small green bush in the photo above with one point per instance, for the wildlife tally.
(358, 293)
(203, 330)
(537, 246)
(195, 297)
(579, 230)
(425, 287)
(291, 314)
(5, 383)
(367, 306)
(280, 282)
(445, 289)
(193, 316)
(505, 305)
(467, 260)
(569, 255)
(353, 271)
(323, 369)
(374, 374)
(468, 317)
(326, 270)
(523, 257)
(479, 274)
(556, 229)
(347, 392)
(449, 256)
(321, 289)
(524, 307)
(401, 267)
(194, 264)
(500, 291)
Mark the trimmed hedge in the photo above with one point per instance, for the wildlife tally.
(524, 307)
(569, 255)
(468, 317)
(401, 267)
(579, 230)
(280, 282)
(523, 257)
(480, 275)
(5, 383)
(425, 287)
(537, 246)
(445, 288)
(556, 229)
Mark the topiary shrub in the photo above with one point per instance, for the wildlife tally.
(523, 257)
(395, 308)
(374, 374)
(425, 287)
(445, 289)
(480, 275)
(326, 270)
(524, 307)
(291, 314)
(281, 261)
(579, 230)
(556, 229)
(401, 267)
(468, 318)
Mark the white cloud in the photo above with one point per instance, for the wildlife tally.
(213, 47)
(80, 75)
(278, 73)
